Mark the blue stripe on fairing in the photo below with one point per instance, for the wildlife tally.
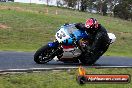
(78, 35)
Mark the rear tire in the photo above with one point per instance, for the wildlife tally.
(43, 55)
(87, 60)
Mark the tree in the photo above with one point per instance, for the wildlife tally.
(99, 6)
(86, 5)
(78, 4)
(104, 8)
(47, 1)
(90, 5)
(71, 3)
(123, 9)
(83, 5)
(60, 3)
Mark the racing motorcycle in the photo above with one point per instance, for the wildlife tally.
(67, 47)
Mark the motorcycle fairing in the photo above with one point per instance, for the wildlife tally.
(72, 33)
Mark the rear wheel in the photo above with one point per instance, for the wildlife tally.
(88, 60)
(44, 55)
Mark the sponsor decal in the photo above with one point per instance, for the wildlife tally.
(83, 78)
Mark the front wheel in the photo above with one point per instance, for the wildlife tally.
(44, 55)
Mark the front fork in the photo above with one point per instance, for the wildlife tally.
(53, 44)
(58, 50)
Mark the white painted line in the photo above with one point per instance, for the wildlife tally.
(36, 69)
(57, 68)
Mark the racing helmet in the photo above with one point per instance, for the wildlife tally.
(91, 23)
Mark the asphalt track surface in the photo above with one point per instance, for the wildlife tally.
(24, 60)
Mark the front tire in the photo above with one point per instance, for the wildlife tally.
(44, 55)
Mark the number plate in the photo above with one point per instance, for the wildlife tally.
(61, 35)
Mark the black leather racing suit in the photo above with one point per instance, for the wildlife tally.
(100, 43)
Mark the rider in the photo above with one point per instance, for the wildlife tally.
(98, 36)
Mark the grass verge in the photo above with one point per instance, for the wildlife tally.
(59, 79)
(26, 27)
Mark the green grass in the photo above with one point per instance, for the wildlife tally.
(29, 27)
(59, 79)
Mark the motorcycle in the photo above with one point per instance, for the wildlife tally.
(67, 47)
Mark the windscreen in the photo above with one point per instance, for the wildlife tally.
(71, 28)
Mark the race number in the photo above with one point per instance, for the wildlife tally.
(61, 35)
